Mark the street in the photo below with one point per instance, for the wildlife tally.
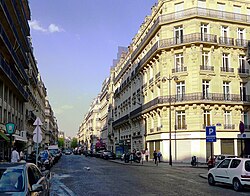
(80, 175)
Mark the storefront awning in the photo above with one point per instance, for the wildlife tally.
(4, 136)
(19, 138)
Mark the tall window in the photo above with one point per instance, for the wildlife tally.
(248, 14)
(221, 7)
(181, 120)
(179, 62)
(242, 64)
(178, 34)
(205, 89)
(227, 119)
(226, 90)
(224, 35)
(204, 32)
(207, 118)
(225, 62)
(179, 7)
(243, 92)
(205, 59)
(180, 90)
(240, 36)
(237, 10)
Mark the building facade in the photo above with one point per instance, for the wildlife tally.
(185, 70)
(22, 91)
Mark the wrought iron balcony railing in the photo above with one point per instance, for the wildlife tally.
(226, 41)
(227, 69)
(241, 42)
(179, 69)
(207, 68)
(229, 126)
(243, 71)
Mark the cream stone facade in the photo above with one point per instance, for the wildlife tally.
(186, 69)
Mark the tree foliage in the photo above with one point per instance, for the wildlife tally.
(61, 142)
(73, 142)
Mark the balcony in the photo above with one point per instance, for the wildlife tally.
(229, 126)
(227, 69)
(241, 42)
(180, 126)
(206, 68)
(226, 41)
(179, 69)
(243, 71)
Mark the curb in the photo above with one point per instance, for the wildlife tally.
(203, 176)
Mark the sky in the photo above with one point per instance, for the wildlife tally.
(75, 42)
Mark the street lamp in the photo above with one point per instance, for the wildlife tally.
(164, 79)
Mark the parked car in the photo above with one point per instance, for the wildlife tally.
(22, 179)
(217, 159)
(234, 171)
(108, 155)
(67, 152)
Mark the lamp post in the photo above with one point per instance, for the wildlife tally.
(170, 130)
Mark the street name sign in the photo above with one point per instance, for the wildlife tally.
(210, 134)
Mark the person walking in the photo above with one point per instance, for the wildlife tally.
(159, 156)
(15, 156)
(146, 154)
(155, 156)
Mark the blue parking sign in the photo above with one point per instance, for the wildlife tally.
(210, 134)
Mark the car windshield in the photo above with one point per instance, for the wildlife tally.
(247, 166)
(11, 180)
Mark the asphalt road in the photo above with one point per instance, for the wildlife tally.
(80, 175)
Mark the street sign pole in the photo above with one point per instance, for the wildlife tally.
(37, 137)
(211, 137)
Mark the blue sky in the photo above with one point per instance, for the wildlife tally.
(75, 42)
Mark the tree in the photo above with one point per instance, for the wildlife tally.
(73, 142)
(61, 142)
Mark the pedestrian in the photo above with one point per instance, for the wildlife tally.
(15, 156)
(159, 156)
(146, 154)
(155, 156)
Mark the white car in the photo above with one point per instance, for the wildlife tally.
(234, 171)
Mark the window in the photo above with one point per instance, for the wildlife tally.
(224, 163)
(205, 59)
(179, 7)
(235, 163)
(247, 166)
(207, 118)
(226, 90)
(241, 33)
(178, 34)
(204, 32)
(243, 92)
(237, 10)
(180, 90)
(205, 89)
(248, 14)
(225, 62)
(179, 62)
(227, 118)
(221, 7)
(181, 120)
(242, 64)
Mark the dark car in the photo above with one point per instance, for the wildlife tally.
(108, 155)
(22, 179)
(67, 152)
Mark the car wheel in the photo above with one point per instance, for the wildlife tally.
(237, 186)
(211, 180)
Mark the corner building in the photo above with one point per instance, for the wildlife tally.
(186, 69)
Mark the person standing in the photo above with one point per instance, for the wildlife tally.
(155, 156)
(159, 156)
(146, 154)
(15, 156)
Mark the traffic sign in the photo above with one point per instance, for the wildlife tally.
(37, 137)
(210, 134)
(38, 122)
(10, 128)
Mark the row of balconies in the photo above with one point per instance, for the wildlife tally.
(14, 55)
(17, 37)
(6, 69)
(202, 12)
(194, 37)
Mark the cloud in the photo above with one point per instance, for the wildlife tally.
(36, 26)
(52, 28)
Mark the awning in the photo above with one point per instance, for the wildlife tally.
(4, 136)
(19, 138)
